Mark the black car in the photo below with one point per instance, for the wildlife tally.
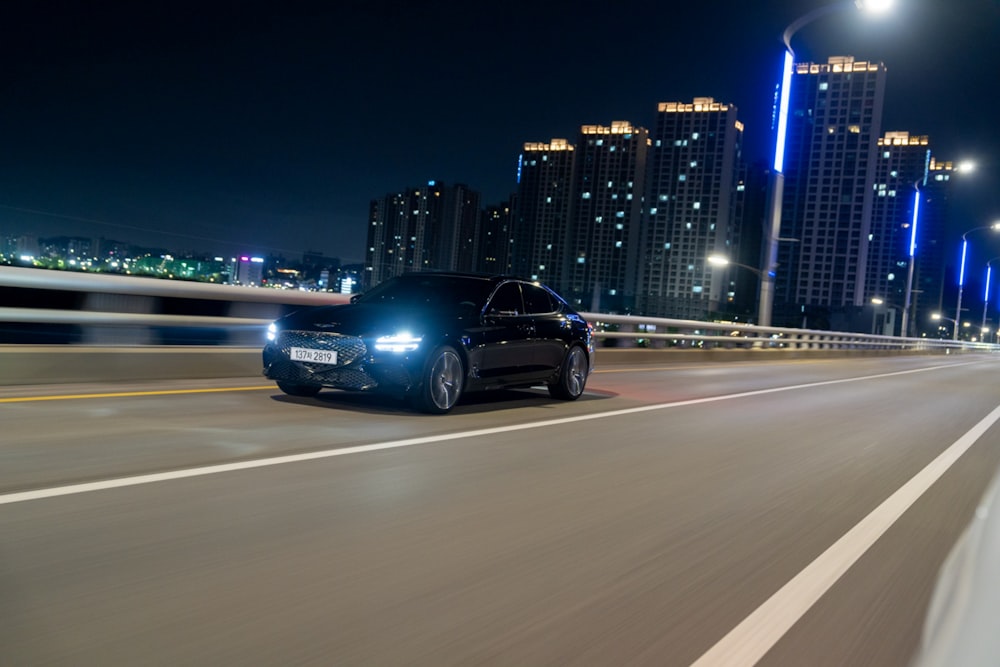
(431, 337)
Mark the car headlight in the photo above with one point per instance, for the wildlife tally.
(272, 331)
(400, 342)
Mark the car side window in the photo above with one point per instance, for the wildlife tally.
(506, 301)
(537, 300)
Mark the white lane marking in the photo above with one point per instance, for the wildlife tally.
(749, 641)
(72, 489)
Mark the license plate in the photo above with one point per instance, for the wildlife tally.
(314, 356)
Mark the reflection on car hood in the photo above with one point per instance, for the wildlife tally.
(372, 319)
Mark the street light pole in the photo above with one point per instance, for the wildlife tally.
(776, 189)
(905, 319)
(986, 292)
(961, 273)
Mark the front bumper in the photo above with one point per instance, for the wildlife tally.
(357, 368)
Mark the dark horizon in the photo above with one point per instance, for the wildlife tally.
(269, 129)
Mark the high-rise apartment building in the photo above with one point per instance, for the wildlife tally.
(605, 221)
(421, 229)
(543, 207)
(494, 253)
(900, 168)
(690, 211)
(458, 242)
(932, 250)
(834, 122)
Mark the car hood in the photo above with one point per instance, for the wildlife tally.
(358, 319)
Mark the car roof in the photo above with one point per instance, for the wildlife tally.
(460, 274)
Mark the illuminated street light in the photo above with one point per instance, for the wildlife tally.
(965, 166)
(939, 316)
(722, 260)
(986, 292)
(879, 301)
(912, 251)
(961, 273)
(776, 187)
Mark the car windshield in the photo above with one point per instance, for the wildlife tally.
(430, 291)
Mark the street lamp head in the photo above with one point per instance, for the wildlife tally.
(965, 166)
(874, 6)
(718, 260)
(878, 301)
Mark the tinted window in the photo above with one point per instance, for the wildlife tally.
(415, 289)
(506, 301)
(537, 299)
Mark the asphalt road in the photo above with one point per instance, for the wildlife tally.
(773, 513)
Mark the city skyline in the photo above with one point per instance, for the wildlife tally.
(272, 128)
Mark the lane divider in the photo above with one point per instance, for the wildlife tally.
(757, 634)
(73, 489)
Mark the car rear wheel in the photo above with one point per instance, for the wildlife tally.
(442, 382)
(572, 376)
(299, 389)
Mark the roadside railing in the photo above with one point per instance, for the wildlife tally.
(54, 307)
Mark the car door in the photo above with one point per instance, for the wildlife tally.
(550, 329)
(508, 336)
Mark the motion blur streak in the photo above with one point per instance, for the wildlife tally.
(129, 394)
(750, 640)
(72, 489)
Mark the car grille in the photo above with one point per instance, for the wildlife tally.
(345, 374)
(349, 349)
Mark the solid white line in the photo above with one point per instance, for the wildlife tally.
(749, 641)
(72, 489)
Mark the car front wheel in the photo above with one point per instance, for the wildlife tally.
(572, 376)
(442, 381)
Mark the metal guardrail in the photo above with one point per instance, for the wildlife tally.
(112, 303)
(663, 332)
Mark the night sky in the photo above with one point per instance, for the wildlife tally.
(268, 127)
